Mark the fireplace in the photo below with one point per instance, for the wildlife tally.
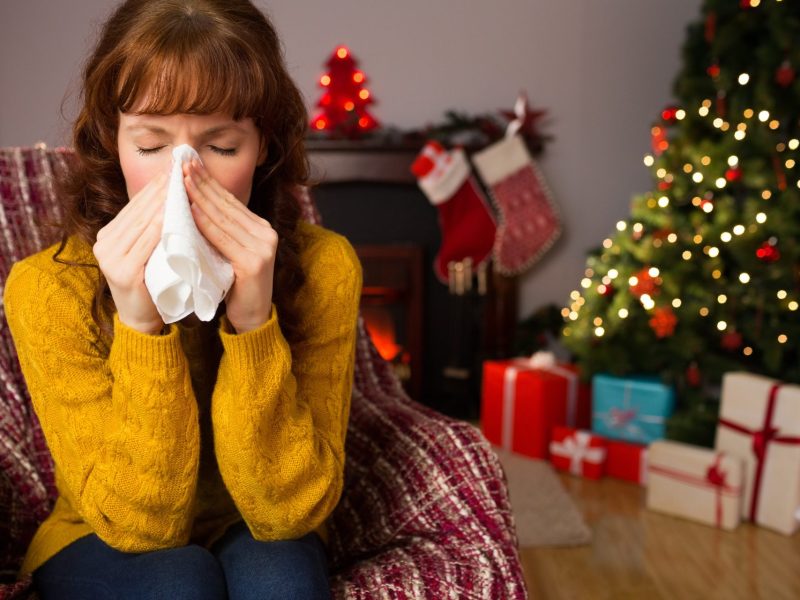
(392, 307)
(369, 195)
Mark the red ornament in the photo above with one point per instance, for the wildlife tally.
(745, 4)
(732, 341)
(606, 289)
(768, 252)
(663, 321)
(668, 114)
(785, 74)
(734, 174)
(664, 185)
(713, 70)
(658, 139)
(693, 377)
(645, 283)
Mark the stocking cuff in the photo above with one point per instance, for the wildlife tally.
(501, 159)
(443, 182)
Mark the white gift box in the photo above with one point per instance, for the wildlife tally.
(760, 422)
(695, 483)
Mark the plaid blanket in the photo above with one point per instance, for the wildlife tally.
(424, 512)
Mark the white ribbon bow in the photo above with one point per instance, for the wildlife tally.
(576, 448)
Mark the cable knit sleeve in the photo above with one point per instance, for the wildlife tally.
(280, 415)
(122, 428)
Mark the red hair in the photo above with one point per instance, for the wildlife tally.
(189, 56)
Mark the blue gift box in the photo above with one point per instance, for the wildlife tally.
(634, 409)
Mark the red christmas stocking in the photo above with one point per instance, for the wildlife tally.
(529, 220)
(465, 218)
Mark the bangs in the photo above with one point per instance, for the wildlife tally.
(195, 74)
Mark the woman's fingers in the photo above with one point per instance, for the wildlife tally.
(143, 247)
(133, 209)
(220, 209)
(128, 237)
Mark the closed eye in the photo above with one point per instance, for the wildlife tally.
(146, 151)
(223, 151)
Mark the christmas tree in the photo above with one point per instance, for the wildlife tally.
(344, 103)
(704, 276)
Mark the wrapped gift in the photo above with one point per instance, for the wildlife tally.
(577, 451)
(634, 409)
(627, 461)
(760, 422)
(523, 399)
(695, 483)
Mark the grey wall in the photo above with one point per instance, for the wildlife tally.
(603, 69)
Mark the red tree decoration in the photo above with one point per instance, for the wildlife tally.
(345, 99)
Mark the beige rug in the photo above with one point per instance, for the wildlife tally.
(544, 513)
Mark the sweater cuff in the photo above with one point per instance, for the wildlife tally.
(253, 347)
(143, 348)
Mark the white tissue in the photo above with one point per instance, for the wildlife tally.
(185, 274)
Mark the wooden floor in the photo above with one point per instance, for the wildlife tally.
(636, 553)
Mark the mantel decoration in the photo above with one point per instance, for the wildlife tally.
(343, 115)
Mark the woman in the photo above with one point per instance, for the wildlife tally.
(193, 460)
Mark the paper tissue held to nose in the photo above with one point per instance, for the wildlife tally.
(185, 273)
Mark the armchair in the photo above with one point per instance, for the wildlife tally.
(424, 512)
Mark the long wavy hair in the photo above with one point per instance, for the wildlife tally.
(188, 56)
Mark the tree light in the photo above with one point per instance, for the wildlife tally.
(744, 277)
(743, 79)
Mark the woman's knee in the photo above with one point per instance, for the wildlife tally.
(190, 572)
(89, 568)
(279, 569)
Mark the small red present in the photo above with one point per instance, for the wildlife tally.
(627, 461)
(520, 405)
(579, 452)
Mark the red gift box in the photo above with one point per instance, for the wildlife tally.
(520, 405)
(579, 452)
(626, 460)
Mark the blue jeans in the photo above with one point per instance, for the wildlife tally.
(236, 567)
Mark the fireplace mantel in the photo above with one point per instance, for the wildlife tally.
(348, 161)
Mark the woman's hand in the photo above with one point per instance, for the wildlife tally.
(122, 249)
(245, 239)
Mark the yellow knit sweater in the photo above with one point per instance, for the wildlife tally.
(154, 447)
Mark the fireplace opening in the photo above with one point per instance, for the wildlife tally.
(392, 307)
